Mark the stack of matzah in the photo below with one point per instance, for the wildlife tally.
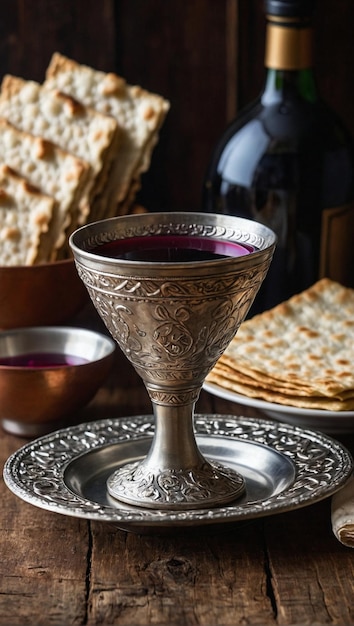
(56, 172)
(83, 138)
(301, 353)
(138, 113)
(25, 217)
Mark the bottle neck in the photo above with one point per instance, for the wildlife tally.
(288, 45)
(289, 60)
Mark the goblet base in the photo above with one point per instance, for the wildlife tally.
(208, 485)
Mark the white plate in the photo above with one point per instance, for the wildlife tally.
(326, 421)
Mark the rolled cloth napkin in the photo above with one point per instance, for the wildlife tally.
(343, 514)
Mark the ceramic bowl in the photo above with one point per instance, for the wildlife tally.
(49, 373)
(37, 295)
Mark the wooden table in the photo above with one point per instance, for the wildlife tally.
(282, 569)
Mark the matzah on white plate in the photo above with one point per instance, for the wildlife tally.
(301, 353)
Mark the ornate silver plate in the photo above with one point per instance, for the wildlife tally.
(284, 468)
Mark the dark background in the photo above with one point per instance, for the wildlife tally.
(205, 56)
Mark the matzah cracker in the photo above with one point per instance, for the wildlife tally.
(61, 119)
(234, 381)
(139, 114)
(56, 172)
(300, 353)
(25, 214)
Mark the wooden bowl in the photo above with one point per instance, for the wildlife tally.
(38, 295)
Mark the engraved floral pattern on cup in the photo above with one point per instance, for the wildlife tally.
(177, 346)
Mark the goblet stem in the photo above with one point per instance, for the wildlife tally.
(175, 474)
(174, 445)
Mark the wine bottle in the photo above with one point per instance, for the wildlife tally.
(288, 161)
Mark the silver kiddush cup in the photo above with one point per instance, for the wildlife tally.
(173, 320)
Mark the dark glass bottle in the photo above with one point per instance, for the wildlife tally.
(287, 161)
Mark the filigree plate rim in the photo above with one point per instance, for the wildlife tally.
(36, 471)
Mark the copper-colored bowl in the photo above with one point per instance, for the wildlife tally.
(37, 394)
(38, 295)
